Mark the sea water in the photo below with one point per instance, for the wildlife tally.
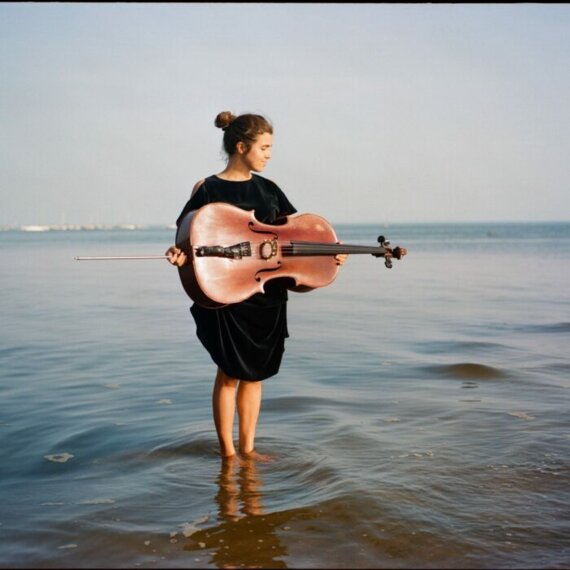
(419, 420)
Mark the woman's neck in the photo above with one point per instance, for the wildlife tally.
(235, 171)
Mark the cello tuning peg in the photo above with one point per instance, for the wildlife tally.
(387, 251)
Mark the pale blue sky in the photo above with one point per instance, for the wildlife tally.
(382, 113)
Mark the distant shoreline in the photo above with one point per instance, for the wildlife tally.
(39, 228)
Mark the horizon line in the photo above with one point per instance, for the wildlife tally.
(128, 226)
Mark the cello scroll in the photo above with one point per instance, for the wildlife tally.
(397, 252)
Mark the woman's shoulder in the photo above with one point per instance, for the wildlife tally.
(197, 186)
(265, 182)
(274, 193)
(211, 182)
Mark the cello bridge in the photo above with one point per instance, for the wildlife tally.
(268, 249)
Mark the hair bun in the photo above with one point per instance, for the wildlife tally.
(224, 120)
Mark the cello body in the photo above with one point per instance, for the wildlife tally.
(232, 255)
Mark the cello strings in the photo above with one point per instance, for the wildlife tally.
(331, 249)
(292, 248)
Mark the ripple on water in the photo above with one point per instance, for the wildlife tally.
(467, 370)
(457, 347)
(562, 327)
(197, 445)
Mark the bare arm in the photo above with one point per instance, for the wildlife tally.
(175, 255)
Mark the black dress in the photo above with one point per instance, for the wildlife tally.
(247, 339)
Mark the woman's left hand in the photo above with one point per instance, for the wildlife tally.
(341, 257)
(175, 256)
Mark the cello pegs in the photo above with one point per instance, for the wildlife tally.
(383, 241)
(388, 253)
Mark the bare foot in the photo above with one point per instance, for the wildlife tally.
(229, 458)
(255, 456)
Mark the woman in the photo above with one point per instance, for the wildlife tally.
(246, 340)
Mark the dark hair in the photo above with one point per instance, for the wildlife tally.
(245, 128)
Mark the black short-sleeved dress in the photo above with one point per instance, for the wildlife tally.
(247, 339)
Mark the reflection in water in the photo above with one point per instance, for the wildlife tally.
(239, 490)
(245, 535)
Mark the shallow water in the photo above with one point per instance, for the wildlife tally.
(420, 418)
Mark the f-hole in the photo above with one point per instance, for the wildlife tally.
(267, 270)
(251, 226)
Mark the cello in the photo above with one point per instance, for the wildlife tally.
(231, 255)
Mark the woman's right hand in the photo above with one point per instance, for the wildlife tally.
(176, 256)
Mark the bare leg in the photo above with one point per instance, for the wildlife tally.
(224, 405)
(248, 405)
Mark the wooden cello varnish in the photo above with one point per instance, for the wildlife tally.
(231, 255)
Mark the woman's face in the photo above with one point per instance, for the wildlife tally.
(260, 152)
